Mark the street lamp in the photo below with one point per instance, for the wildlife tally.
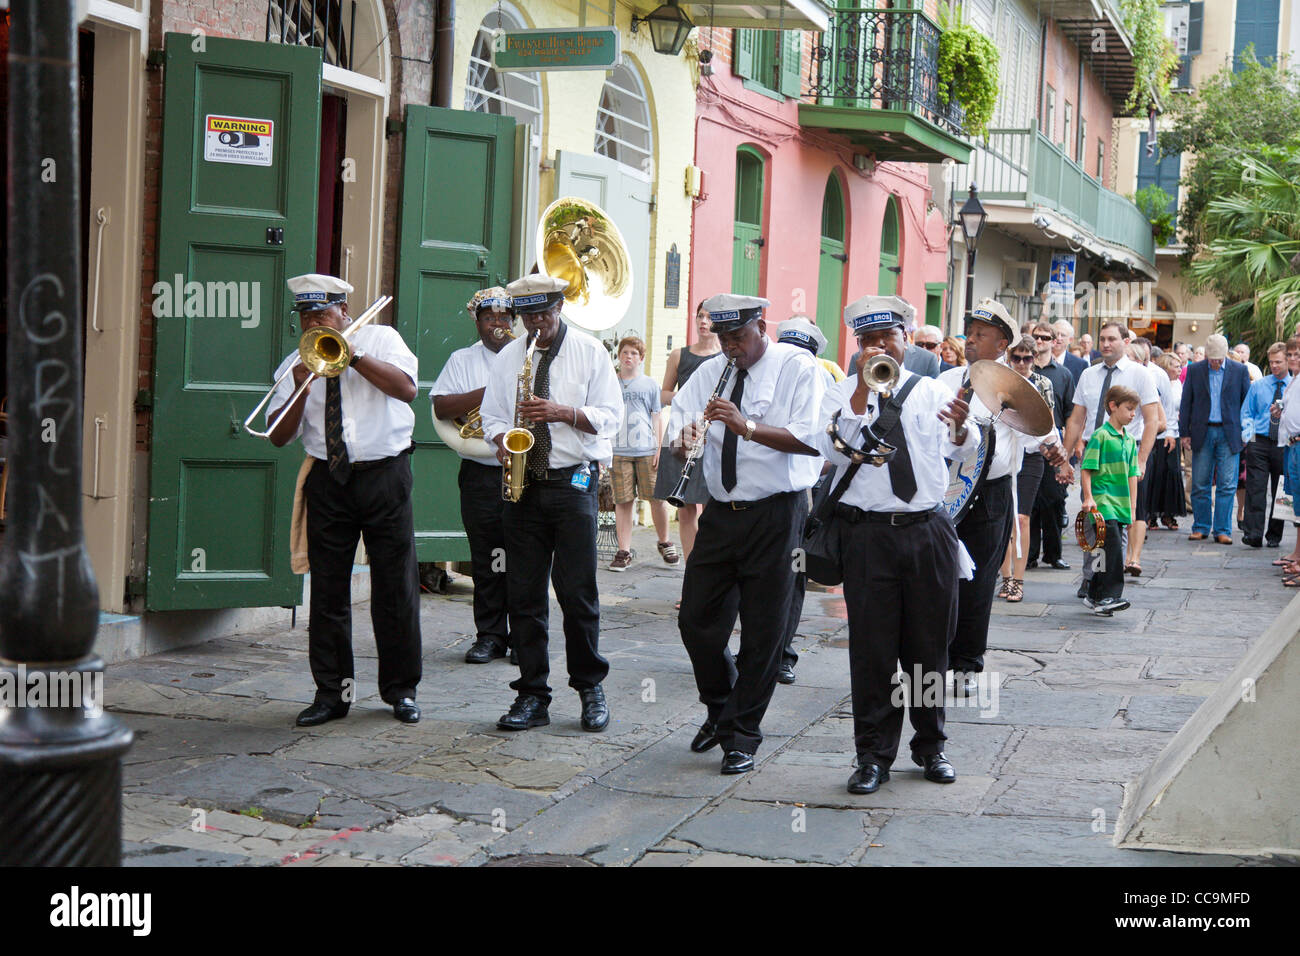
(1010, 300)
(669, 27)
(971, 217)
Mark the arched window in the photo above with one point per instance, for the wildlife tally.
(503, 94)
(623, 121)
(889, 267)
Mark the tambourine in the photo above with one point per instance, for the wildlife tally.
(1091, 535)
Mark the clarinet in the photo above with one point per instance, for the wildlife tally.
(678, 497)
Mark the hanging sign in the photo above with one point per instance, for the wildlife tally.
(1060, 282)
(590, 48)
(238, 139)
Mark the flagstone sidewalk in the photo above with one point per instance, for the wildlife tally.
(219, 775)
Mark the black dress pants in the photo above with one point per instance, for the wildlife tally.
(1108, 580)
(900, 588)
(742, 562)
(480, 512)
(1265, 466)
(375, 503)
(985, 531)
(788, 653)
(1047, 519)
(551, 534)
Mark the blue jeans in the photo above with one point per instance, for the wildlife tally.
(1214, 455)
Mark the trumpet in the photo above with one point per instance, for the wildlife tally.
(326, 352)
(519, 440)
(880, 374)
(678, 496)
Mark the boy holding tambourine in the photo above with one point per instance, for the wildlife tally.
(1110, 477)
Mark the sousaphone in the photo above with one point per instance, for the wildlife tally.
(578, 242)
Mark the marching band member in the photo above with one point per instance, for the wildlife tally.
(902, 559)
(802, 332)
(457, 392)
(358, 427)
(758, 463)
(988, 522)
(575, 411)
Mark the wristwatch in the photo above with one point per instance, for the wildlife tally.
(750, 425)
(357, 356)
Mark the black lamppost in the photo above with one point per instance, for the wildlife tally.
(971, 217)
(60, 754)
(669, 27)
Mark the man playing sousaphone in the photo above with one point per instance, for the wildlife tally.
(357, 425)
(456, 394)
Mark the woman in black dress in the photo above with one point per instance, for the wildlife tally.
(681, 364)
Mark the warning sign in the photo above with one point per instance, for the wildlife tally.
(237, 139)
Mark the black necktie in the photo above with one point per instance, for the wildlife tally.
(731, 438)
(901, 477)
(539, 456)
(1272, 422)
(335, 448)
(1101, 402)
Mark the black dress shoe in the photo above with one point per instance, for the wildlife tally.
(1274, 544)
(1031, 564)
(786, 674)
(484, 650)
(706, 739)
(737, 761)
(1252, 542)
(320, 712)
(965, 683)
(595, 712)
(527, 711)
(514, 657)
(407, 710)
(1058, 565)
(867, 778)
(937, 768)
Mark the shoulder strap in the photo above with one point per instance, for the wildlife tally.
(893, 410)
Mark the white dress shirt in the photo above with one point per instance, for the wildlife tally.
(928, 443)
(467, 370)
(1172, 400)
(1127, 373)
(582, 375)
(375, 425)
(782, 389)
(1289, 426)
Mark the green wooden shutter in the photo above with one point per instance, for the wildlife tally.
(219, 499)
(454, 238)
(791, 53)
(1195, 26)
(742, 59)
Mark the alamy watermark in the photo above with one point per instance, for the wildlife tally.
(53, 689)
(208, 300)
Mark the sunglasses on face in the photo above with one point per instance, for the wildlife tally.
(1044, 338)
(928, 345)
(1021, 358)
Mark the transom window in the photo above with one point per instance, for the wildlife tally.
(503, 94)
(623, 121)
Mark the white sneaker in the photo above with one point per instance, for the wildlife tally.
(1109, 606)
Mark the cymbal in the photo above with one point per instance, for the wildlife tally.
(1001, 387)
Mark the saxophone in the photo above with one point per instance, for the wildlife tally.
(519, 439)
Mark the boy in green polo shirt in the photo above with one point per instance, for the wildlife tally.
(1110, 477)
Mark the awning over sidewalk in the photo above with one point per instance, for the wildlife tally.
(761, 15)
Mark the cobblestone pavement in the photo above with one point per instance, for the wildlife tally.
(219, 776)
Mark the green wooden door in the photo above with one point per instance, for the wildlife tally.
(457, 193)
(747, 248)
(220, 500)
(830, 271)
(888, 281)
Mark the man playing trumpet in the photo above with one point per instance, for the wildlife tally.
(758, 463)
(458, 392)
(357, 425)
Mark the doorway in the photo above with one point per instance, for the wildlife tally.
(747, 252)
(889, 267)
(831, 261)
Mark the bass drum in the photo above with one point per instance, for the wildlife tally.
(965, 478)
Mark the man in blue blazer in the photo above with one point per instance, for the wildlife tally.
(1209, 421)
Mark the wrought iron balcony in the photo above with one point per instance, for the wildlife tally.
(874, 79)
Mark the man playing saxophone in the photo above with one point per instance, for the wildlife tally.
(456, 395)
(550, 531)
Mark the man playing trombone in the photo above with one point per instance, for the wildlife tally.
(357, 426)
(458, 392)
(758, 463)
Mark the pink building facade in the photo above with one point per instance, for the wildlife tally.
(831, 224)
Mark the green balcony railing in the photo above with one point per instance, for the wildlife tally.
(882, 60)
(1024, 165)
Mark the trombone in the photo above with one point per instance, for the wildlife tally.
(326, 352)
